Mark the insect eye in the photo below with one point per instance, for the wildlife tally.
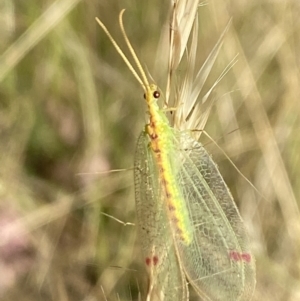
(144, 95)
(156, 94)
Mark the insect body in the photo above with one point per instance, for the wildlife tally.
(188, 224)
(162, 147)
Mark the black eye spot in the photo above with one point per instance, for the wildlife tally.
(144, 95)
(156, 94)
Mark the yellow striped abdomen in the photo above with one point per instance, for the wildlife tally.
(162, 145)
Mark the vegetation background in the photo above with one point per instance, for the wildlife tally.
(69, 108)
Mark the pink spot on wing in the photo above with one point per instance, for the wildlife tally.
(148, 261)
(236, 256)
(246, 257)
(155, 260)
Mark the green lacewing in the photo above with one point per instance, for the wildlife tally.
(188, 224)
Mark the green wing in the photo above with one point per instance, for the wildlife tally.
(166, 278)
(218, 262)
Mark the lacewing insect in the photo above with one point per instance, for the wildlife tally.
(188, 224)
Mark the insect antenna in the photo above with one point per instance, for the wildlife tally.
(141, 79)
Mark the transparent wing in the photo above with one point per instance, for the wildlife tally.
(166, 278)
(218, 262)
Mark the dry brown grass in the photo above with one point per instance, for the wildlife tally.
(70, 106)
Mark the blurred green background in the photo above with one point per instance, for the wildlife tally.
(70, 110)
